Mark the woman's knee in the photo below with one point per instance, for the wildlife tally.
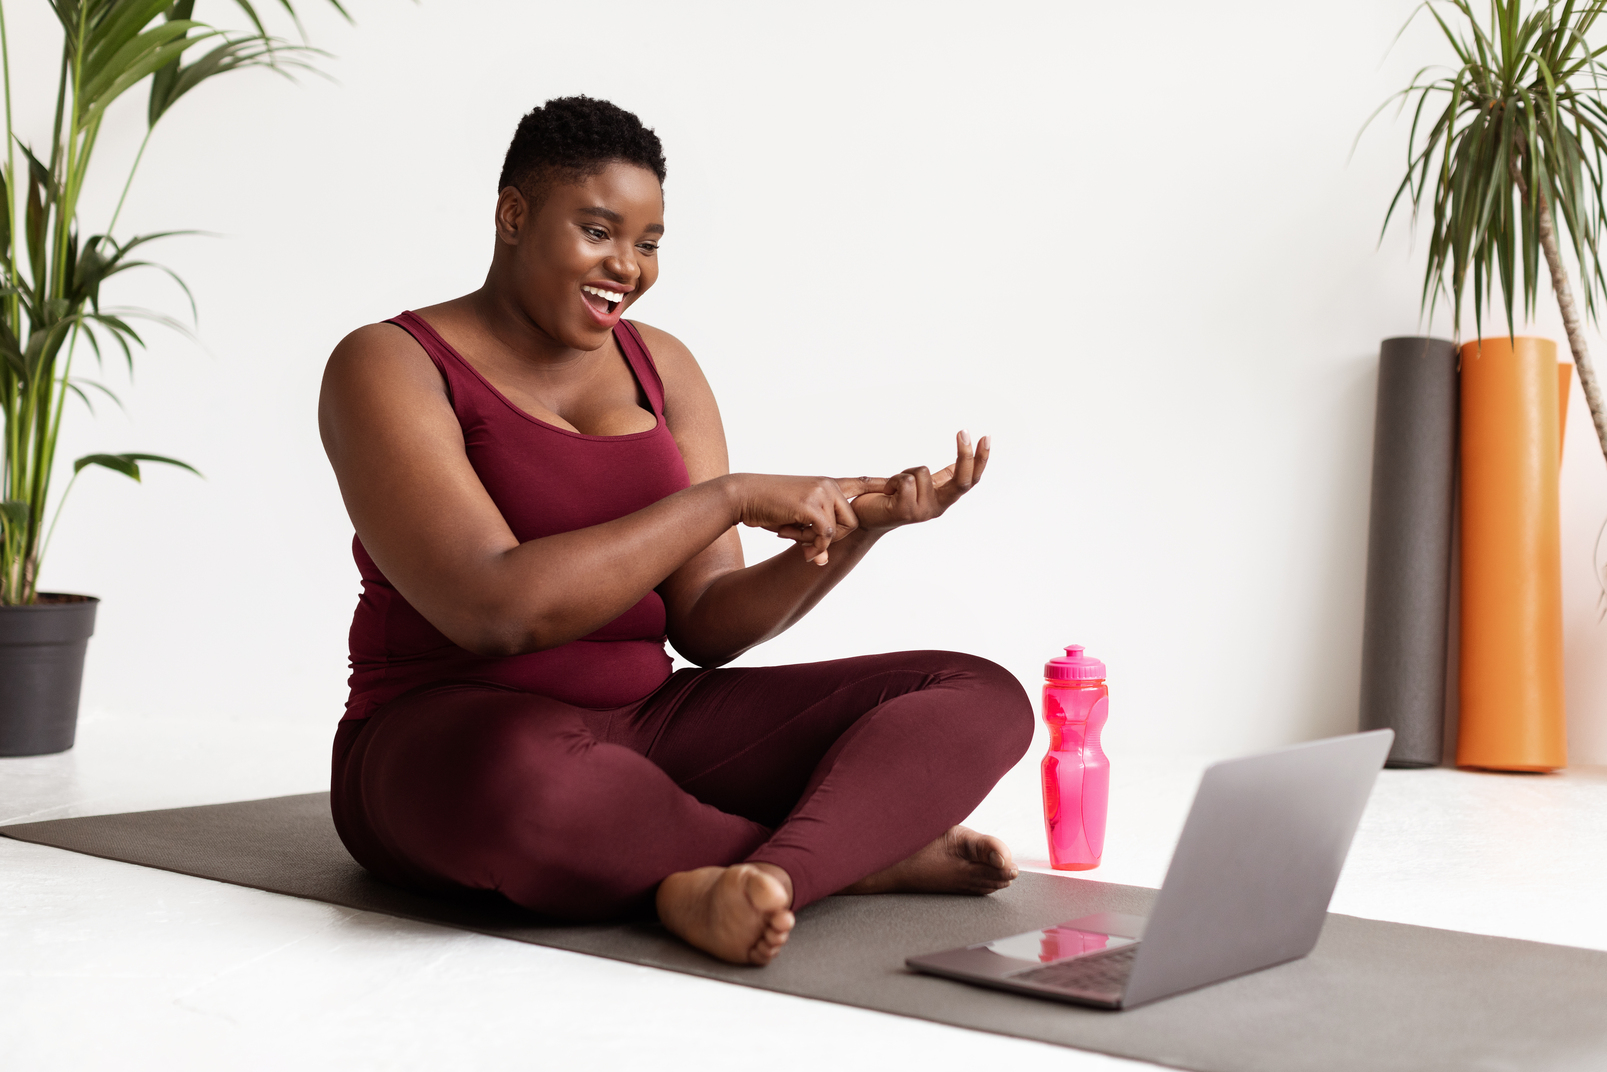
(524, 799)
(440, 781)
(998, 709)
(565, 825)
(542, 824)
(530, 790)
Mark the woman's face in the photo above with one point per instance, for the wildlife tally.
(587, 253)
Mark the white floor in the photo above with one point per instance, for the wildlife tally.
(107, 965)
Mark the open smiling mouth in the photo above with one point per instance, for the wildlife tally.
(604, 301)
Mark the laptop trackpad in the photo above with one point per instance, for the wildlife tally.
(1079, 937)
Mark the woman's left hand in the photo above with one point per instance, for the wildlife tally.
(919, 494)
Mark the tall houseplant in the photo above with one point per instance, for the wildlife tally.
(50, 310)
(1505, 146)
(1508, 149)
(50, 301)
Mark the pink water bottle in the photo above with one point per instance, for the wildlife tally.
(1076, 774)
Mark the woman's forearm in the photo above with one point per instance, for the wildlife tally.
(746, 607)
(549, 591)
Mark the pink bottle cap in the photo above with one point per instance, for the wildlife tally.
(1074, 666)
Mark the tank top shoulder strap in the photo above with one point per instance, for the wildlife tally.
(641, 362)
(457, 372)
(462, 378)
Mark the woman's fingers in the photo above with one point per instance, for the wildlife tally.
(815, 547)
(811, 511)
(853, 486)
(923, 495)
(833, 519)
(816, 512)
(846, 520)
(926, 504)
(906, 496)
(984, 447)
(964, 468)
(959, 478)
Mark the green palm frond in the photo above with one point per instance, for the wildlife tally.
(51, 279)
(77, 387)
(103, 257)
(127, 464)
(1518, 123)
(175, 80)
(256, 49)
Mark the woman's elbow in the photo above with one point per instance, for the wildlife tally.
(496, 635)
(495, 645)
(703, 656)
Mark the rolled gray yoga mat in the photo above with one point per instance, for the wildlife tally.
(1384, 997)
(1409, 548)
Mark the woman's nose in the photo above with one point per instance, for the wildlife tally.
(623, 267)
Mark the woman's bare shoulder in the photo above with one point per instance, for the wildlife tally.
(689, 406)
(683, 377)
(380, 357)
(384, 344)
(378, 377)
(665, 348)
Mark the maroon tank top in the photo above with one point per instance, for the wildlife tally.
(545, 480)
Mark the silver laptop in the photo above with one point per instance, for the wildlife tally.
(1248, 887)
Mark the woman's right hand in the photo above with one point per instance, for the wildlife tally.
(917, 494)
(812, 510)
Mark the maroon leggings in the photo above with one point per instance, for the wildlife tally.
(830, 771)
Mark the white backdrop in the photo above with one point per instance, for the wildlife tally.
(1124, 240)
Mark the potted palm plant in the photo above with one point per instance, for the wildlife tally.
(1504, 147)
(51, 313)
(1507, 157)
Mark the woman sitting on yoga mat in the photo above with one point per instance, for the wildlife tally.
(541, 497)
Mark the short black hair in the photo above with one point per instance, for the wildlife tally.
(572, 138)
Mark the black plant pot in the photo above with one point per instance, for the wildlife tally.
(41, 670)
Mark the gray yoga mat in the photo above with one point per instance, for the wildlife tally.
(1379, 996)
(1409, 548)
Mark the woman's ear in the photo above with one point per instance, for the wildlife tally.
(513, 213)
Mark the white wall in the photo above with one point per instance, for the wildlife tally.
(1123, 239)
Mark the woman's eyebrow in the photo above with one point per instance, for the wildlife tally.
(613, 217)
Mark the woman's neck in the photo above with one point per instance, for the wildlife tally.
(499, 317)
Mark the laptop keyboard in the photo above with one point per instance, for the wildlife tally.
(1102, 974)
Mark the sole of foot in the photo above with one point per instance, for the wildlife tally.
(739, 914)
(961, 861)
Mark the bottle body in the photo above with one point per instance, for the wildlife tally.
(1076, 774)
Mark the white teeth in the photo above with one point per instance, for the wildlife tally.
(606, 295)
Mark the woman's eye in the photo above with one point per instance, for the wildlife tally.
(648, 247)
(596, 232)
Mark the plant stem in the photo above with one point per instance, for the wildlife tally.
(61, 504)
(67, 213)
(44, 415)
(118, 211)
(1546, 232)
(48, 451)
(11, 554)
(61, 105)
(13, 301)
(1570, 317)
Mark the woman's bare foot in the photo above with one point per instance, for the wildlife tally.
(961, 861)
(736, 913)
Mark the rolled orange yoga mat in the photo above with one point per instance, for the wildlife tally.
(1511, 683)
